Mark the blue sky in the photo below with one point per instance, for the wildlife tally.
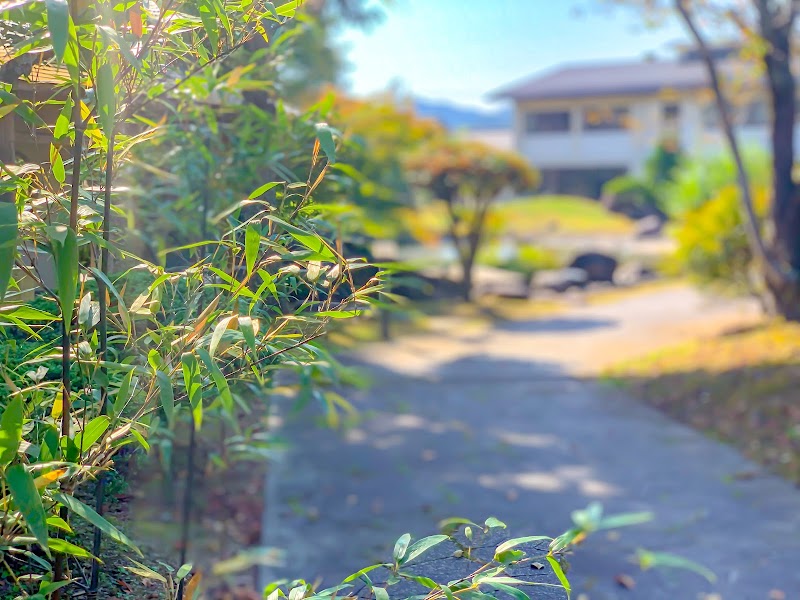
(459, 50)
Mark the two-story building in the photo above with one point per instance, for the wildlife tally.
(581, 125)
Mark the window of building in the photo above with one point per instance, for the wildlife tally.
(601, 119)
(671, 112)
(547, 122)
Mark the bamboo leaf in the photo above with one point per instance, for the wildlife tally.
(309, 239)
(167, 395)
(513, 543)
(65, 547)
(94, 431)
(28, 501)
(58, 25)
(421, 546)
(8, 243)
(218, 378)
(106, 98)
(194, 386)
(263, 189)
(252, 242)
(325, 136)
(401, 546)
(559, 573)
(11, 431)
(64, 244)
(89, 514)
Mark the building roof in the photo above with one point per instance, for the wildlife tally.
(623, 78)
(41, 71)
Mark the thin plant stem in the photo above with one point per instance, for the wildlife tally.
(102, 291)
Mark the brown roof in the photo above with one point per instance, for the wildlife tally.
(627, 78)
(42, 71)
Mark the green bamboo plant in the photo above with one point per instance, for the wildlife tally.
(111, 366)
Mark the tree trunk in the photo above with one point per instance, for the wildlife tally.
(775, 26)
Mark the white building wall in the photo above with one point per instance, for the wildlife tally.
(629, 149)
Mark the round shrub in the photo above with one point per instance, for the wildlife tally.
(712, 242)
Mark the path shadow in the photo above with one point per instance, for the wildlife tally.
(526, 443)
(555, 325)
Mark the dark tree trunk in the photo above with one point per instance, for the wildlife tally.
(775, 24)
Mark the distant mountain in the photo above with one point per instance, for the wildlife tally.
(462, 117)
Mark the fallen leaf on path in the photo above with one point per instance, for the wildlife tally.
(625, 581)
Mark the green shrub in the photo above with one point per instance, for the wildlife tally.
(712, 243)
(699, 180)
(526, 259)
(630, 194)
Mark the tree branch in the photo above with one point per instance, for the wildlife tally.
(754, 238)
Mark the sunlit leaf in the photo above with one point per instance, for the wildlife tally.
(421, 546)
(559, 573)
(325, 137)
(58, 25)
(89, 514)
(28, 501)
(11, 430)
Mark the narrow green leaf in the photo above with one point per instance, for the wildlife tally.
(513, 543)
(11, 431)
(27, 313)
(252, 242)
(649, 560)
(309, 239)
(421, 546)
(167, 395)
(209, 18)
(64, 119)
(400, 547)
(263, 189)
(146, 571)
(219, 330)
(89, 514)
(64, 244)
(58, 25)
(452, 524)
(492, 523)
(512, 591)
(625, 520)
(57, 165)
(194, 386)
(363, 571)
(325, 137)
(65, 547)
(248, 328)
(123, 393)
(218, 378)
(380, 593)
(8, 243)
(106, 98)
(183, 571)
(50, 587)
(28, 502)
(560, 574)
(94, 431)
(59, 523)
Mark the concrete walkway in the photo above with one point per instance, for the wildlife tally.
(508, 423)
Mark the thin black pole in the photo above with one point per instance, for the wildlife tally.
(187, 507)
(102, 290)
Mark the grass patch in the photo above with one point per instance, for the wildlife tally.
(739, 387)
(560, 214)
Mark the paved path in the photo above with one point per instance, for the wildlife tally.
(505, 423)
